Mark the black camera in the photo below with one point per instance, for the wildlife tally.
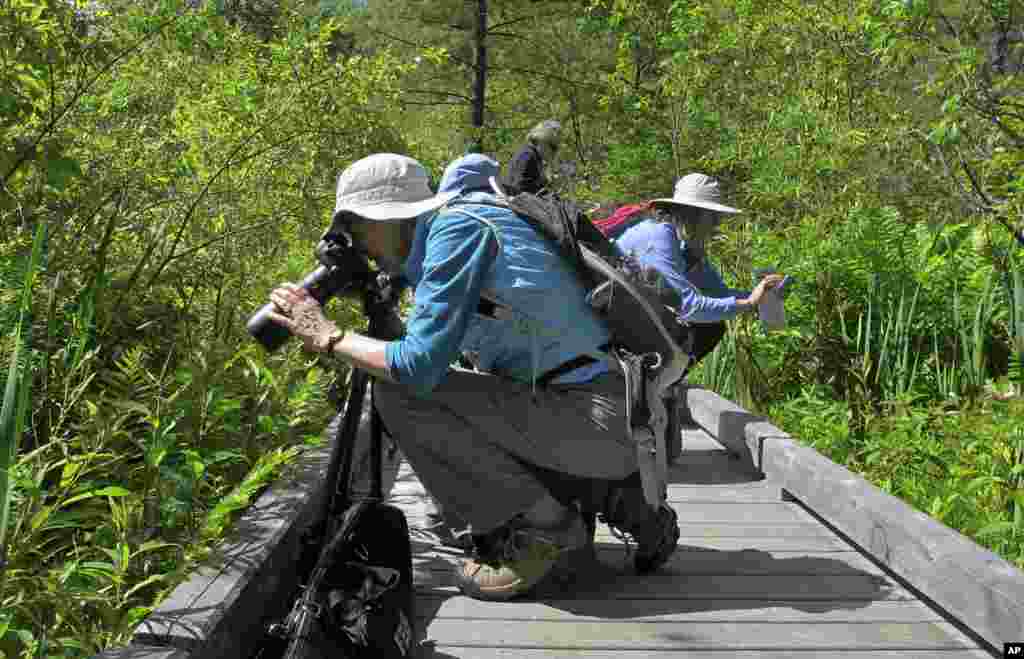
(342, 269)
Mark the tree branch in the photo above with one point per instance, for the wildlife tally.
(520, 19)
(223, 236)
(437, 93)
(989, 205)
(428, 103)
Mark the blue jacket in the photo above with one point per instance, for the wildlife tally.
(471, 250)
(703, 296)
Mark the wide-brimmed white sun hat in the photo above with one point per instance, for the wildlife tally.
(387, 187)
(698, 190)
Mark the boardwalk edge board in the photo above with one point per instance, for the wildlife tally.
(135, 651)
(982, 591)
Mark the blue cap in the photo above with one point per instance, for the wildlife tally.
(468, 173)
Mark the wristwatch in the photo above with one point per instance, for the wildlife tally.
(336, 336)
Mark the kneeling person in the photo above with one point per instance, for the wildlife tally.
(485, 443)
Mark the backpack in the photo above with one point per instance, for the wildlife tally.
(644, 331)
(624, 217)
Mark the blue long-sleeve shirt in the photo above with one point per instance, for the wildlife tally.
(703, 296)
(542, 319)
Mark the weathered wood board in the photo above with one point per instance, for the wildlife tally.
(754, 576)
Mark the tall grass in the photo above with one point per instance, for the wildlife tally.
(887, 363)
(963, 373)
(972, 337)
(1016, 323)
(14, 409)
(717, 371)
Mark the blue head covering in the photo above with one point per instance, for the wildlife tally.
(468, 173)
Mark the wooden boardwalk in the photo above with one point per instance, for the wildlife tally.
(754, 575)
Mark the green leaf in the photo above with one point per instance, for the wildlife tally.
(148, 581)
(98, 569)
(998, 528)
(136, 615)
(132, 406)
(112, 491)
(25, 636)
(153, 545)
(61, 170)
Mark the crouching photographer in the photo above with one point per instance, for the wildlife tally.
(510, 446)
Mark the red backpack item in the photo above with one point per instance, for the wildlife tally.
(623, 218)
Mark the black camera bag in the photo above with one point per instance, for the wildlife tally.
(364, 598)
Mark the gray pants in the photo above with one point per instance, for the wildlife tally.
(468, 439)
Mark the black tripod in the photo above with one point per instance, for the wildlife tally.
(299, 635)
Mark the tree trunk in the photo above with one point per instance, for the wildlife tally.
(479, 85)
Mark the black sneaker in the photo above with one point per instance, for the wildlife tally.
(658, 542)
(655, 531)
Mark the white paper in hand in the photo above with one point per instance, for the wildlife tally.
(771, 310)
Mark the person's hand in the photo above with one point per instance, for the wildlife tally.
(302, 315)
(767, 282)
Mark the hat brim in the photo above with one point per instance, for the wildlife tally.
(398, 211)
(710, 205)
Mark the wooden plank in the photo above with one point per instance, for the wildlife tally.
(609, 635)
(752, 562)
(745, 494)
(725, 537)
(807, 539)
(431, 650)
(741, 513)
(665, 586)
(691, 474)
(710, 529)
(709, 610)
(740, 491)
(971, 583)
(712, 468)
(764, 543)
(706, 563)
(713, 530)
(142, 652)
(761, 492)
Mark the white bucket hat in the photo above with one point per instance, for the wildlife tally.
(387, 187)
(698, 190)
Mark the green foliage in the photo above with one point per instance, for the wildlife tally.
(14, 407)
(963, 468)
(184, 157)
(717, 371)
(263, 472)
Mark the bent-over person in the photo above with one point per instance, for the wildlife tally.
(493, 445)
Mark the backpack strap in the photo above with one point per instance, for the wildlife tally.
(489, 223)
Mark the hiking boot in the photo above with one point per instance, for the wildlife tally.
(656, 532)
(514, 559)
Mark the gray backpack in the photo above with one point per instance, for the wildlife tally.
(649, 344)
